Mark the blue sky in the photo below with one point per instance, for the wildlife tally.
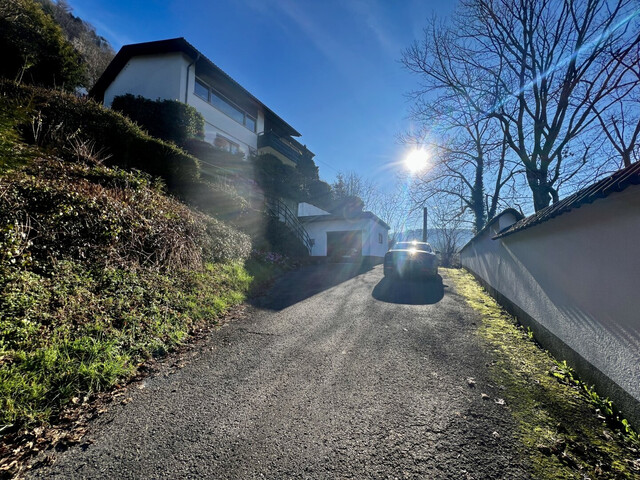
(330, 68)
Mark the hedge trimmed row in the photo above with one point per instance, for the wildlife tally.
(58, 120)
(169, 120)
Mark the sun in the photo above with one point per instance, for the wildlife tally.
(416, 160)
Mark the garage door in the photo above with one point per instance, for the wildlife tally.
(344, 245)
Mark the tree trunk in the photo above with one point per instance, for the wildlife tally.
(539, 184)
(477, 197)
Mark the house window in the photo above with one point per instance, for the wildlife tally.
(226, 144)
(223, 104)
(202, 90)
(250, 123)
(379, 238)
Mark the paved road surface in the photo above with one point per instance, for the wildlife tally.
(334, 374)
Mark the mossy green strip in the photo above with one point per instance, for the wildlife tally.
(561, 432)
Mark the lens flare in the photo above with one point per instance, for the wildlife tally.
(416, 160)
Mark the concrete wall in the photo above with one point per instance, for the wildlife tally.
(370, 247)
(574, 279)
(152, 76)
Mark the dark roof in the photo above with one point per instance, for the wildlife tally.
(614, 183)
(355, 216)
(512, 211)
(181, 45)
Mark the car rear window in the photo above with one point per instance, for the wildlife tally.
(425, 247)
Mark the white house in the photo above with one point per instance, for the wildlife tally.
(349, 236)
(175, 70)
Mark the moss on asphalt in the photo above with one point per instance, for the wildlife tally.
(562, 432)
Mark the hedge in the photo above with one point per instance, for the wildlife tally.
(61, 121)
(168, 120)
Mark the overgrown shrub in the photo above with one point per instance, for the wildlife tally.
(112, 217)
(56, 120)
(99, 269)
(168, 120)
(278, 238)
(217, 161)
(276, 178)
(217, 199)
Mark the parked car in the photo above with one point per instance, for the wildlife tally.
(411, 260)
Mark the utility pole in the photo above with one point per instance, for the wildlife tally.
(424, 225)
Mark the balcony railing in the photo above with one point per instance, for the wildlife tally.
(288, 148)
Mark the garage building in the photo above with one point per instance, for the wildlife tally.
(344, 237)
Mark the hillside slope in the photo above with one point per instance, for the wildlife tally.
(100, 268)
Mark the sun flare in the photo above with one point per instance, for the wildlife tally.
(416, 160)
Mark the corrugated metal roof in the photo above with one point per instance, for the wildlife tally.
(601, 189)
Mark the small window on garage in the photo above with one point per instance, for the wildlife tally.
(379, 238)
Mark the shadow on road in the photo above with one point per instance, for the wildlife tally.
(409, 292)
(306, 282)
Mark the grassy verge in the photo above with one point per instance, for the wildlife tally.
(81, 330)
(564, 426)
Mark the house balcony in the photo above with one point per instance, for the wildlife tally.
(287, 150)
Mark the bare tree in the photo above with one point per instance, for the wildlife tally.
(395, 209)
(470, 161)
(448, 222)
(350, 184)
(621, 122)
(543, 69)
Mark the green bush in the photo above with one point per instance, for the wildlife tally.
(217, 199)
(66, 124)
(112, 217)
(168, 120)
(99, 269)
(218, 162)
(34, 49)
(278, 238)
(277, 179)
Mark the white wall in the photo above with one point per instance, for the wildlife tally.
(577, 275)
(307, 210)
(317, 230)
(371, 245)
(151, 76)
(164, 76)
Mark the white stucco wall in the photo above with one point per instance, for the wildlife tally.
(151, 76)
(578, 276)
(317, 230)
(372, 247)
(164, 76)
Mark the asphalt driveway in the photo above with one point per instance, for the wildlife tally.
(336, 373)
